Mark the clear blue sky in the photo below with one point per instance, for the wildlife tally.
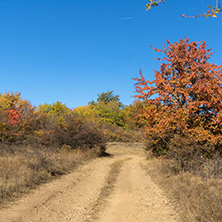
(71, 50)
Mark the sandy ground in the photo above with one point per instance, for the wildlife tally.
(108, 189)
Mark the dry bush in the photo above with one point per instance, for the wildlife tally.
(22, 168)
(122, 148)
(117, 134)
(185, 152)
(76, 132)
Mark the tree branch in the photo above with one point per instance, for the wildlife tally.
(212, 12)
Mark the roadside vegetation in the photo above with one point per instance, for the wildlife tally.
(196, 193)
(24, 167)
(40, 143)
(182, 118)
(178, 115)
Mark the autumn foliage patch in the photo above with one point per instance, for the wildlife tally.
(56, 125)
(183, 102)
(52, 126)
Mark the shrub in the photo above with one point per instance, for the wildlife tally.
(76, 132)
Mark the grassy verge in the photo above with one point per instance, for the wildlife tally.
(23, 168)
(198, 193)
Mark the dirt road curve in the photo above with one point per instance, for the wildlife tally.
(109, 189)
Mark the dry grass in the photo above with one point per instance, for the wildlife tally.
(123, 148)
(22, 168)
(198, 194)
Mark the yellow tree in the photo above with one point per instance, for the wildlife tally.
(15, 115)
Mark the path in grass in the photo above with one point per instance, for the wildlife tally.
(113, 188)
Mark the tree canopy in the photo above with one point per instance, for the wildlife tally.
(185, 96)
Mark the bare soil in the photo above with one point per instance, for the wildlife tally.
(115, 188)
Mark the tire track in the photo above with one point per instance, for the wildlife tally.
(107, 190)
(114, 189)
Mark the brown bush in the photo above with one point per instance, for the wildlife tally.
(118, 134)
(76, 132)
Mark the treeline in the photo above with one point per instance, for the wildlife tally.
(56, 125)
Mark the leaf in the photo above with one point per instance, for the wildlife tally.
(148, 6)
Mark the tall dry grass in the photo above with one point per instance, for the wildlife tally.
(22, 168)
(197, 192)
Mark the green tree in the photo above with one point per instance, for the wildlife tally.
(107, 97)
(108, 108)
(111, 112)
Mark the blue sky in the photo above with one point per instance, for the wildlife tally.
(71, 50)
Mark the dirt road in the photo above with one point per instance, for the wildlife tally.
(109, 189)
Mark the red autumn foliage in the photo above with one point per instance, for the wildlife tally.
(13, 115)
(188, 95)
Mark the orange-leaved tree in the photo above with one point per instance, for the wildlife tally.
(185, 98)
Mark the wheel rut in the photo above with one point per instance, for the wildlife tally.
(108, 189)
